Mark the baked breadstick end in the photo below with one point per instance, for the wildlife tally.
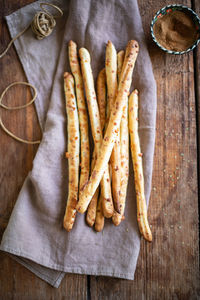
(99, 222)
(82, 113)
(73, 151)
(115, 160)
(124, 148)
(137, 167)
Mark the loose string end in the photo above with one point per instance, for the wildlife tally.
(17, 107)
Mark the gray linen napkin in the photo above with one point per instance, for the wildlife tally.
(34, 233)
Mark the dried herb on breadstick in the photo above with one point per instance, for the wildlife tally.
(115, 160)
(73, 151)
(137, 167)
(92, 207)
(124, 146)
(96, 129)
(82, 113)
(113, 127)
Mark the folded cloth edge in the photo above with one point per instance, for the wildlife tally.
(55, 283)
(77, 270)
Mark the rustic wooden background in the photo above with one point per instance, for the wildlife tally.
(168, 268)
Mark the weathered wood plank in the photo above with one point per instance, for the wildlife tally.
(168, 267)
(7, 7)
(13, 155)
(196, 7)
(18, 283)
(15, 163)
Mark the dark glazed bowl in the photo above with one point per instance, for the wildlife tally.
(169, 8)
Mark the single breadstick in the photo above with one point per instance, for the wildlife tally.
(124, 141)
(117, 217)
(103, 203)
(92, 214)
(73, 151)
(115, 159)
(124, 146)
(99, 222)
(96, 129)
(101, 96)
(112, 129)
(137, 167)
(92, 208)
(82, 113)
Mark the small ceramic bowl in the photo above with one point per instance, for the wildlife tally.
(169, 8)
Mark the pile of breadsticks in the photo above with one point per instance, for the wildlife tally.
(100, 187)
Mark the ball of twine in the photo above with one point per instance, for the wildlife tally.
(42, 25)
(44, 22)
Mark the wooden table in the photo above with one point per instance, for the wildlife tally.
(167, 268)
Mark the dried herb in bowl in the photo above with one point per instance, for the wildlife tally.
(175, 31)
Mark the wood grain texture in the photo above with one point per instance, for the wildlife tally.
(196, 8)
(168, 267)
(18, 283)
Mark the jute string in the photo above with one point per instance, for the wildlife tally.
(42, 26)
(17, 107)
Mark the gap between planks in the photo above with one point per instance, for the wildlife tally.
(196, 58)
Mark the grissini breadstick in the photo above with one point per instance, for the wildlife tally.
(124, 141)
(105, 127)
(99, 222)
(73, 151)
(96, 129)
(137, 167)
(117, 217)
(101, 98)
(124, 145)
(82, 113)
(92, 207)
(132, 50)
(115, 159)
(92, 214)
